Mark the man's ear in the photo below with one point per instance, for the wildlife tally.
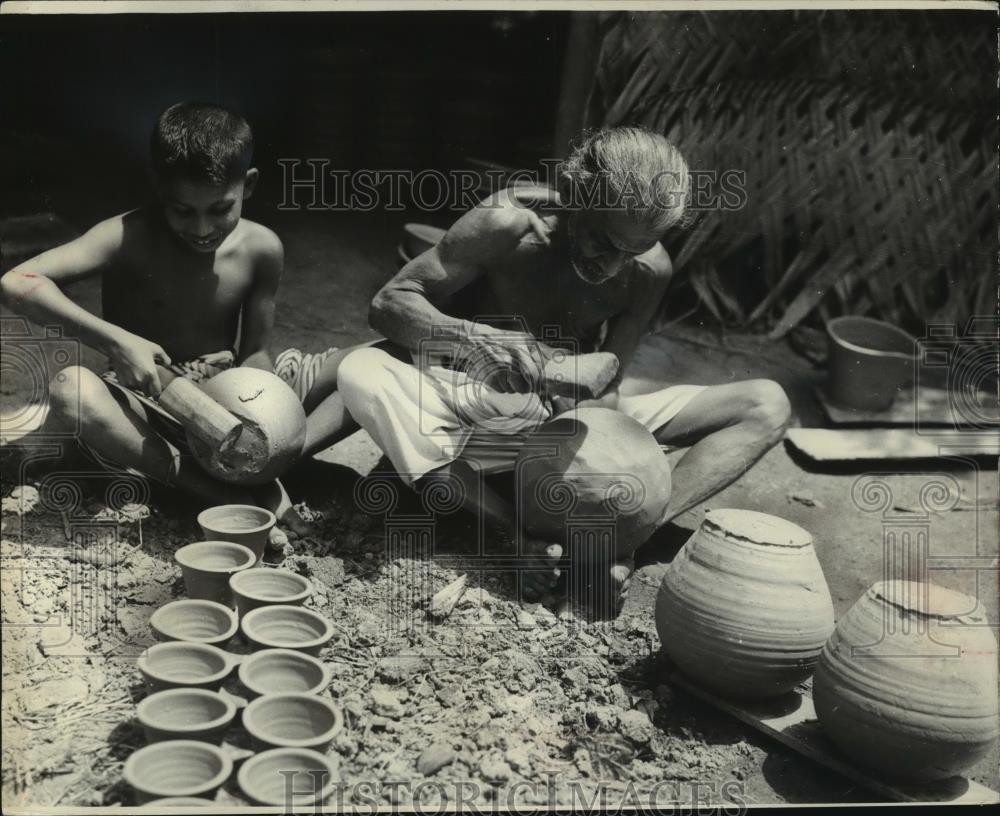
(250, 182)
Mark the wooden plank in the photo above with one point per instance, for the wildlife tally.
(824, 445)
(933, 406)
(792, 721)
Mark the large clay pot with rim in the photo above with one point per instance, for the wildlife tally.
(907, 683)
(744, 608)
(274, 427)
(605, 467)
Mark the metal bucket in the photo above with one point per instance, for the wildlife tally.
(871, 362)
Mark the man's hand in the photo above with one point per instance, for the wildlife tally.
(507, 361)
(134, 360)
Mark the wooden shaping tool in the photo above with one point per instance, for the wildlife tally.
(824, 445)
(201, 416)
(583, 376)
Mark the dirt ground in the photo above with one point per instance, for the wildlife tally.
(526, 708)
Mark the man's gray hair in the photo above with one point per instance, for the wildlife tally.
(630, 169)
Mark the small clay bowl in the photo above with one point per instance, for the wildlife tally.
(281, 777)
(274, 671)
(240, 523)
(194, 622)
(185, 665)
(176, 768)
(267, 586)
(207, 567)
(197, 714)
(286, 627)
(292, 721)
(181, 801)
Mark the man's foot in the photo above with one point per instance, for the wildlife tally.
(592, 597)
(543, 569)
(273, 497)
(619, 576)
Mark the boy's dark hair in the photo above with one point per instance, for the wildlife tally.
(202, 142)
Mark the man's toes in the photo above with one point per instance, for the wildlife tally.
(553, 552)
(621, 576)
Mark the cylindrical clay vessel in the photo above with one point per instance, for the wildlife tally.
(744, 608)
(907, 684)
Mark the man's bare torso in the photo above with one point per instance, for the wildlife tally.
(536, 283)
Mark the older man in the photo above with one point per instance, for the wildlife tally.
(475, 317)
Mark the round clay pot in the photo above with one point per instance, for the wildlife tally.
(744, 608)
(606, 466)
(871, 362)
(286, 627)
(194, 622)
(288, 777)
(176, 768)
(239, 523)
(207, 567)
(274, 427)
(907, 683)
(186, 713)
(292, 721)
(267, 586)
(273, 671)
(185, 665)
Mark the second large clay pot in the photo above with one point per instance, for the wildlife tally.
(274, 427)
(907, 684)
(744, 608)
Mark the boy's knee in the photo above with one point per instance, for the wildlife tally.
(768, 407)
(65, 391)
(73, 392)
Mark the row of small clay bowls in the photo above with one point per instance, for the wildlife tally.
(905, 683)
(187, 714)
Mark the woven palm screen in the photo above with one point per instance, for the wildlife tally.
(869, 146)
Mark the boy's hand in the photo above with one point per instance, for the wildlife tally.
(134, 360)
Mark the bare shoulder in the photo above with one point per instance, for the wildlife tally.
(260, 242)
(494, 226)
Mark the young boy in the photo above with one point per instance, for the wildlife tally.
(180, 280)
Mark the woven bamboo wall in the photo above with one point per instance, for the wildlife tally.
(869, 144)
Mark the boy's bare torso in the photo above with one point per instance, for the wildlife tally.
(187, 302)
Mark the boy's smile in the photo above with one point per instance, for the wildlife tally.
(203, 215)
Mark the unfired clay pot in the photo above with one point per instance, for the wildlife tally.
(274, 427)
(286, 627)
(194, 621)
(606, 466)
(871, 362)
(288, 777)
(744, 608)
(240, 523)
(292, 721)
(274, 671)
(185, 665)
(267, 586)
(907, 684)
(207, 567)
(176, 768)
(186, 713)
